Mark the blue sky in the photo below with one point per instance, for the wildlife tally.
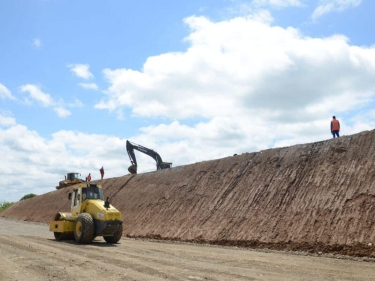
(193, 80)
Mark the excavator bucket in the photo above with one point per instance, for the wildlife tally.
(132, 169)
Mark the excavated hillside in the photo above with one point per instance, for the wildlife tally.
(316, 197)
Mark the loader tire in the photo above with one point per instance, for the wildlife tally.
(84, 228)
(115, 238)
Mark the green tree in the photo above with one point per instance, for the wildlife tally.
(5, 205)
(27, 196)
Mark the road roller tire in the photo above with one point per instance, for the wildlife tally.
(115, 238)
(84, 229)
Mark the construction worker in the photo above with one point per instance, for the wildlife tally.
(101, 172)
(89, 177)
(335, 127)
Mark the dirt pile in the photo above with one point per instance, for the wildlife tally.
(317, 197)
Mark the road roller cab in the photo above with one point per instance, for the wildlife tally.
(90, 217)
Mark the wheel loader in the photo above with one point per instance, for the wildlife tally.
(70, 179)
(90, 217)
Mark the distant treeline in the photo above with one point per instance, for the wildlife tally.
(5, 205)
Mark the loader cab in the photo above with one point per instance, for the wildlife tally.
(73, 176)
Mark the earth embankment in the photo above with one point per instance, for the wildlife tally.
(312, 197)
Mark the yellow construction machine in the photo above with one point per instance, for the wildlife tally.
(70, 179)
(90, 217)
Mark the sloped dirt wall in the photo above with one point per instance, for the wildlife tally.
(320, 193)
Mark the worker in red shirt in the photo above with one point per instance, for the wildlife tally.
(335, 127)
(101, 172)
(89, 177)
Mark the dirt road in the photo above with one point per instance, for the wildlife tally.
(29, 252)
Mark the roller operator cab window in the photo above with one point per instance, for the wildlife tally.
(93, 192)
(84, 194)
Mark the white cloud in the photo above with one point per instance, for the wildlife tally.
(36, 94)
(247, 84)
(81, 70)
(277, 3)
(27, 157)
(242, 85)
(76, 103)
(62, 112)
(6, 121)
(36, 43)
(89, 86)
(328, 6)
(244, 66)
(5, 93)
(249, 8)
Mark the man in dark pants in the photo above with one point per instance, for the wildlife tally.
(101, 172)
(335, 127)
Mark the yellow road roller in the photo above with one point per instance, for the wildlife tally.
(90, 217)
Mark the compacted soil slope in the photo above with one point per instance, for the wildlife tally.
(317, 197)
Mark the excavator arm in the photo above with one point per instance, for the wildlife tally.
(130, 146)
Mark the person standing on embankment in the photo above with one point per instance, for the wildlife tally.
(335, 127)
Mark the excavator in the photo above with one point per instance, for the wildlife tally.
(130, 146)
